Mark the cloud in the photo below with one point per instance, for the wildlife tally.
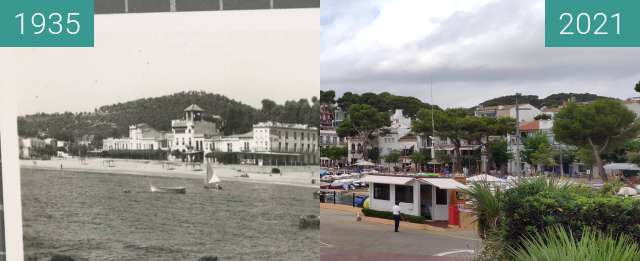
(469, 51)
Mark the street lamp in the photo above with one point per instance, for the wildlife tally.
(517, 140)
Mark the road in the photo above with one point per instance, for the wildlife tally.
(343, 238)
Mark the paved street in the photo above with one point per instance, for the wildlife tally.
(342, 238)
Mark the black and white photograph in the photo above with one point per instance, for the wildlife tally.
(2, 245)
(180, 136)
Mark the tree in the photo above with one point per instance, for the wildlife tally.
(363, 121)
(543, 156)
(328, 97)
(599, 126)
(458, 125)
(536, 149)
(392, 157)
(419, 158)
(334, 153)
(638, 87)
(542, 117)
(499, 153)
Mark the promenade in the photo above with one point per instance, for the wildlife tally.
(290, 175)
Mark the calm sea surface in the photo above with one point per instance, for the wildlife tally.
(89, 217)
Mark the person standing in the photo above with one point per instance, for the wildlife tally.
(396, 215)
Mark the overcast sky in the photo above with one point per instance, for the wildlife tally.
(245, 55)
(471, 50)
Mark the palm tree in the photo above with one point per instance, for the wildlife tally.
(558, 243)
(486, 206)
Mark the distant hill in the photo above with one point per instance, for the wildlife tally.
(553, 100)
(113, 120)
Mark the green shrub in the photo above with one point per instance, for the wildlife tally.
(559, 243)
(531, 207)
(611, 188)
(389, 215)
(275, 170)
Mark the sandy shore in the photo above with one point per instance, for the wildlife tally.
(291, 175)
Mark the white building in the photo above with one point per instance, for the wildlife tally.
(427, 197)
(193, 134)
(28, 145)
(329, 138)
(193, 137)
(400, 127)
(141, 137)
(527, 112)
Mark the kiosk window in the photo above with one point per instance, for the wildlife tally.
(441, 196)
(404, 194)
(381, 191)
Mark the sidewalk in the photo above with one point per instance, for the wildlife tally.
(405, 225)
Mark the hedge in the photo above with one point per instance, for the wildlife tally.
(389, 215)
(527, 209)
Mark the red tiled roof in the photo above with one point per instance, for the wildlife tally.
(530, 126)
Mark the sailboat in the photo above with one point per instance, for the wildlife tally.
(211, 180)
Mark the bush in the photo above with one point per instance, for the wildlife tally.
(611, 188)
(531, 207)
(275, 170)
(389, 215)
(208, 258)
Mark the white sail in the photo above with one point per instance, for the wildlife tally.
(213, 178)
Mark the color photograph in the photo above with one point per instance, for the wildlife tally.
(448, 131)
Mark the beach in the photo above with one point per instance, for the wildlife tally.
(101, 214)
(290, 175)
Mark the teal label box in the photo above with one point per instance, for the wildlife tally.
(592, 23)
(46, 23)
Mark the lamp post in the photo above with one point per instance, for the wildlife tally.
(517, 139)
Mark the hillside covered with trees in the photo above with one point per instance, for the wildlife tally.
(553, 100)
(383, 102)
(114, 120)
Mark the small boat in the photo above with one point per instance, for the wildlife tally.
(211, 180)
(176, 190)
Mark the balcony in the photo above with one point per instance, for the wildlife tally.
(178, 124)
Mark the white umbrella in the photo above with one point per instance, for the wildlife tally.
(627, 191)
(621, 166)
(364, 163)
(484, 178)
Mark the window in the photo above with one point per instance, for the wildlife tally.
(229, 147)
(295, 135)
(441, 196)
(404, 194)
(295, 147)
(246, 146)
(279, 146)
(302, 135)
(381, 191)
(286, 146)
